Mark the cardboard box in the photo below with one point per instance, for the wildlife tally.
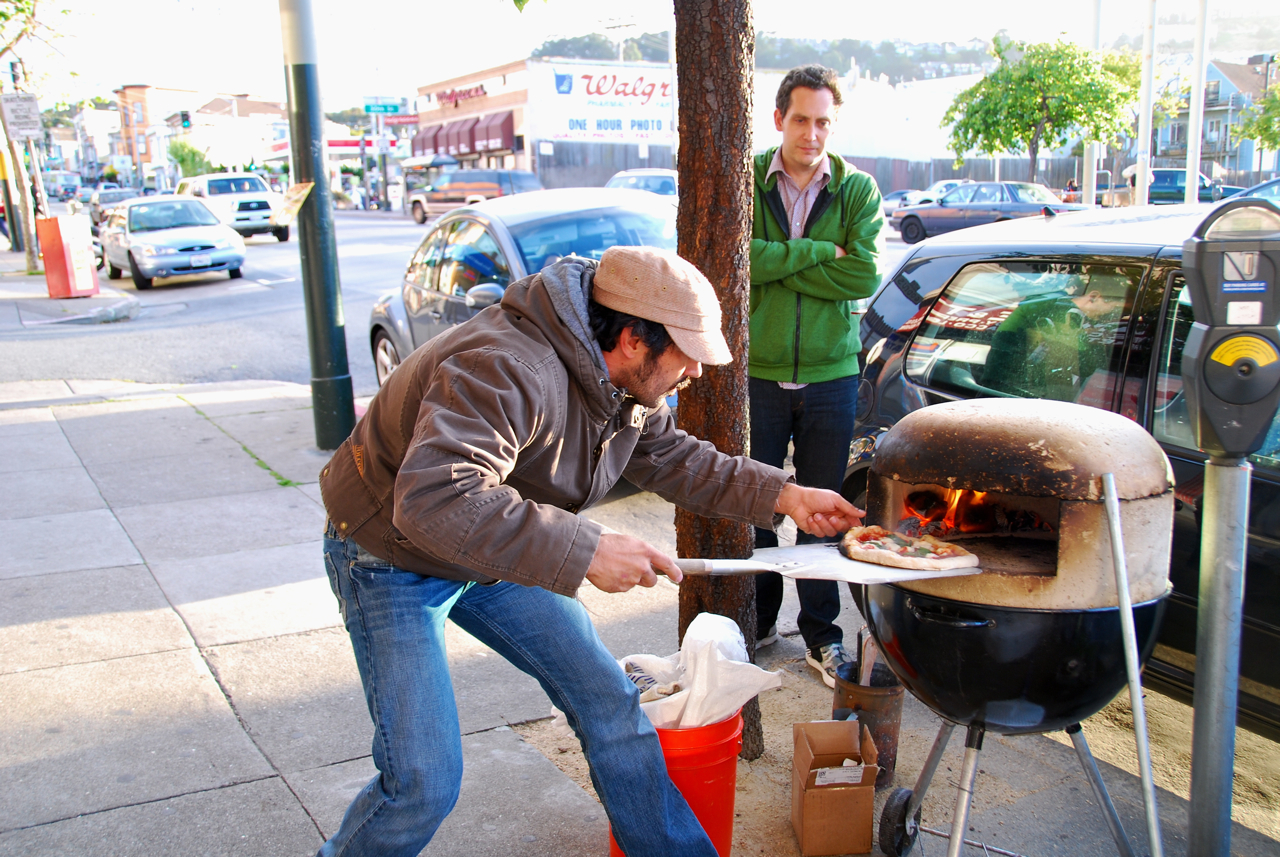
(832, 819)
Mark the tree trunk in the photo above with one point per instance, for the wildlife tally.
(715, 45)
(1034, 151)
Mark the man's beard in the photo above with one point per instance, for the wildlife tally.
(643, 387)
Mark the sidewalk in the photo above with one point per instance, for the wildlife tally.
(174, 679)
(25, 301)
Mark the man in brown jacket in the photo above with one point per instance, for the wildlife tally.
(457, 496)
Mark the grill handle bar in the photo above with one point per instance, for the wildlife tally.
(1111, 496)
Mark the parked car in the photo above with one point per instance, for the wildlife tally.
(168, 238)
(104, 199)
(658, 181)
(472, 254)
(1105, 300)
(974, 204)
(465, 187)
(1267, 190)
(892, 200)
(1168, 187)
(84, 194)
(243, 201)
(932, 192)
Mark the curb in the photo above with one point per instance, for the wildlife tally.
(125, 308)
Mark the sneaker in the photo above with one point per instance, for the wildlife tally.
(826, 659)
(770, 637)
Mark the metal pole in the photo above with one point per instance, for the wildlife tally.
(332, 400)
(1131, 662)
(1100, 790)
(964, 790)
(1089, 181)
(1143, 177)
(384, 199)
(1195, 122)
(1213, 740)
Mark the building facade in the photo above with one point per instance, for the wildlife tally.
(1231, 89)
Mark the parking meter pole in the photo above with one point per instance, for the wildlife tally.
(332, 399)
(1231, 378)
(11, 217)
(1213, 741)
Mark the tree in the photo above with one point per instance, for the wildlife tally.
(190, 160)
(1039, 95)
(18, 21)
(1261, 123)
(352, 117)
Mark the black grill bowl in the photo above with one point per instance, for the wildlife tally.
(1013, 670)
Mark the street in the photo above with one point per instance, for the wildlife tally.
(208, 328)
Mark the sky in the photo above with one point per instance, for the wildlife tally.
(391, 47)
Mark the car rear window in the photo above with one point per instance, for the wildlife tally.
(589, 233)
(239, 184)
(1044, 330)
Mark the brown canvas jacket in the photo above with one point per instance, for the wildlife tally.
(475, 457)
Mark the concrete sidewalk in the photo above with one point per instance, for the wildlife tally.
(25, 301)
(174, 678)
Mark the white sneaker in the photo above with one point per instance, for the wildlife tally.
(770, 637)
(826, 659)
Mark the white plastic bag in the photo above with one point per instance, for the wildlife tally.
(711, 671)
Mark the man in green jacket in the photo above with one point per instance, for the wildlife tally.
(815, 240)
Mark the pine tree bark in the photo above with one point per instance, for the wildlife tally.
(715, 46)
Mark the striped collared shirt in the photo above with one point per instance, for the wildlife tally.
(796, 201)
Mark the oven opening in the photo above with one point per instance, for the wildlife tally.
(1010, 534)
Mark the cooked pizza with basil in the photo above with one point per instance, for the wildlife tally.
(882, 547)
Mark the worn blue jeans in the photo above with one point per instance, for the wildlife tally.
(819, 419)
(396, 622)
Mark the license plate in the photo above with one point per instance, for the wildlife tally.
(201, 260)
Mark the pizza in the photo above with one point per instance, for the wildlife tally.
(882, 547)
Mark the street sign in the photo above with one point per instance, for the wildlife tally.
(22, 116)
(385, 104)
(382, 108)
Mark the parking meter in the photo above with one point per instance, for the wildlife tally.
(1231, 362)
(1231, 376)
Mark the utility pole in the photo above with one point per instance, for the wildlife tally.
(1089, 181)
(1142, 181)
(332, 399)
(384, 201)
(1195, 118)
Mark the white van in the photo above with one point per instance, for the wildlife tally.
(243, 201)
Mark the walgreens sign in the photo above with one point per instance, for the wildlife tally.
(613, 103)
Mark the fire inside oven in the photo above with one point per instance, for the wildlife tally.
(1009, 534)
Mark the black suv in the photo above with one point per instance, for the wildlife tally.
(1086, 307)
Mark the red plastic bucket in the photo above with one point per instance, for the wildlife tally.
(703, 764)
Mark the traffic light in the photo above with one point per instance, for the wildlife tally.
(186, 119)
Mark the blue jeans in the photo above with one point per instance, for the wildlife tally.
(396, 622)
(819, 419)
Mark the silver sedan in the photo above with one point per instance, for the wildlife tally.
(168, 237)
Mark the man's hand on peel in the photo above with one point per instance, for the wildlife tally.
(817, 511)
(622, 562)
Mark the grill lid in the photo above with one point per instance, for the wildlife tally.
(1028, 447)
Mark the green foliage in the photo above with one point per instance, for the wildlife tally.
(352, 117)
(778, 53)
(1261, 122)
(1041, 95)
(592, 47)
(110, 174)
(190, 160)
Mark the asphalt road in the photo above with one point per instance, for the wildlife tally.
(208, 328)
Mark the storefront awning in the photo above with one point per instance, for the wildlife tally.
(462, 139)
(424, 142)
(496, 133)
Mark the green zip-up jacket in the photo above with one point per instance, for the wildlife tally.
(802, 327)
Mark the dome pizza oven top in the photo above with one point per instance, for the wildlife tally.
(1019, 483)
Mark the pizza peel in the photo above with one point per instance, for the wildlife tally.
(813, 562)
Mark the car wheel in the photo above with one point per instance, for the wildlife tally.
(281, 233)
(113, 273)
(912, 230)
(140, 282)
(234, 273)
(419, 213)
(385, 356)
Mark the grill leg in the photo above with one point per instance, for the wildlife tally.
(930, 767)
(1100, 790)
(960, 821)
